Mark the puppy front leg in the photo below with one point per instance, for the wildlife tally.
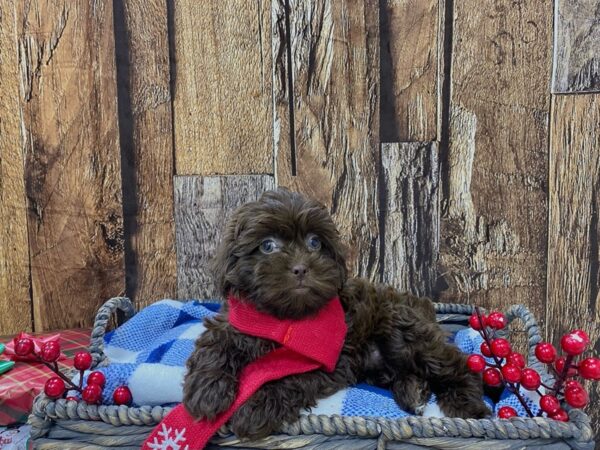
(210, 384)
(418, 348)
(281, 401)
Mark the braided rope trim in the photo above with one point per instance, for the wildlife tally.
(45, 410)
(578, 428)
(103, 315)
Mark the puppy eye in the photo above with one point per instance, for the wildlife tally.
(313, 243)
(269, 246)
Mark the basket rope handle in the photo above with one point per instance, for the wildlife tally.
(534, 337)
(103, 315)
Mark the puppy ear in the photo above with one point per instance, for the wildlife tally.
(224, 259)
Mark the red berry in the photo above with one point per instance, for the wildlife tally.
(96, 378)
(23, 346)
(55, 387)
(92, 393)
(583, 335)
(530, 379)
(492, 377)
(476, 323)
(82, 360)
(589, 368)
(545, 352)
(549, 404)
(511, 373)
(476, 363)
(574, 343)
(485, 349)
(559, 365)
(72, 399)
(573, 384)
(500, 347)
(122, 395)
(496, 320)
(506, 412)
(561, 415)
(517, 359)
(50, 351)
(576, 397)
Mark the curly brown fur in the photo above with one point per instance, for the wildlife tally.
(392, 340)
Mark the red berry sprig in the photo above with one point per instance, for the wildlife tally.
(509, 368)
(565, 368)
(57, 386)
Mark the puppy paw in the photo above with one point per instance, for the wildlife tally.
(454, 404)
(206, 396)
(412, 394)
(254, 421)
(266, 411)
(420, 410)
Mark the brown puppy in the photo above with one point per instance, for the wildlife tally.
(283, 253)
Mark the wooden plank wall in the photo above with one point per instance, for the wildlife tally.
(15, 301)
(574, 180)
(146, 136)
(70, 146)
(495, 169)
(456, 146)
(333, 156)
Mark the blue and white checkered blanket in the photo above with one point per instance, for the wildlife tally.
(149, 351)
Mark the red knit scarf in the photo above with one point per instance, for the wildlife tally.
(306, 344)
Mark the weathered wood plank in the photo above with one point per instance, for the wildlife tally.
(409, 65)
(202, 207)
(335, 63)
(68, 89)
(493, 243)
(411, 215)
(282, 126)
(573, 229)
(223, 117)
(576, 46)
(15, 299)
(145, 123)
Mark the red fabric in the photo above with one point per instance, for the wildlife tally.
(38, 342)
(20, 385)
(307, 344)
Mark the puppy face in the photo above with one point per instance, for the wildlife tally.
(283, 253)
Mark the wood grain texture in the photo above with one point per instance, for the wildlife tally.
(411, 215)
(69, 120)
(15, 299)
(223, 87)
(573, 229)
(145, 123)
(202, 207)
(494, 224)
(281, 71)
(335, 64)
(577, 46)
(409, 65)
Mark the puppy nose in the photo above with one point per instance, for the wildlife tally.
(299, 270)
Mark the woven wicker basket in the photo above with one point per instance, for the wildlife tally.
(63, 424)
